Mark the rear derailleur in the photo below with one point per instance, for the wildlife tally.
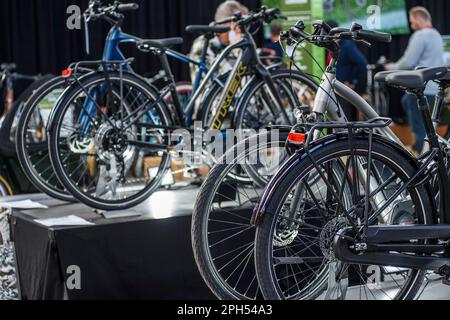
(445, 272)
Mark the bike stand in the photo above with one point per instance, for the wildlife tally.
(445, 272)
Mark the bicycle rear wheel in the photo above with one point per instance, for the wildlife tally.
(108, 140)
(297, 267)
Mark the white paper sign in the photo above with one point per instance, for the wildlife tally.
(65, 221)
(26, 204)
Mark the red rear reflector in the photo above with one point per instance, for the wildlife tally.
(66, 73)
(298, 138)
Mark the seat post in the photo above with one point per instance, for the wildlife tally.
(438, 104)
(166, 66)
(206, 40)
(173, 88)
(427, 118)
(444, 182)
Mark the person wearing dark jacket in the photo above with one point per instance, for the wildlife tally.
(351, 69)
(352, 65)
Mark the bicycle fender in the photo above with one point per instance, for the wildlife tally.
(300, 155)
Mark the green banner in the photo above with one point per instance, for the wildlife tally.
(308, 11)
(447, 50)
(388, 16)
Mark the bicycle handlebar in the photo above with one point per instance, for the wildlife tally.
(375, 36)
(127, 7)
(323, 35)
(96, 10)
(264, 15)
(7, 67)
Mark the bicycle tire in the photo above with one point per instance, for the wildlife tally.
(255, 84)
(199, 231)
(56, 189)
(5, 188)
(56, 124)
(264, 233)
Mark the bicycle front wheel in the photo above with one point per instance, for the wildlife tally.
(258, 109)
(222, 235)
(31, 139)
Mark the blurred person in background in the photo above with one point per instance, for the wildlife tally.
(225, 10)
(425, 49)
(351, 69)
(272, 47)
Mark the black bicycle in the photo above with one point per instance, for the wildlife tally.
(7, 78)
(357, 247)
(109, 138)
(12, 179)
(31, 134)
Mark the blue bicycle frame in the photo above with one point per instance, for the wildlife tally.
(202, 68)
(112, 53)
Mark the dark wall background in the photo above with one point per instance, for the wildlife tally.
(33, 33)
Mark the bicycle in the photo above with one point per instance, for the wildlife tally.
(325, 107)
(11, 177)
(377, 93)
(357, 244)
(31, 136)
(7, 79)
(204, 216)
(148, 120)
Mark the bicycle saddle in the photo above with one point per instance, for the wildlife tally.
(415, 79)
(381, 76)
(203, 29)
(161, 43)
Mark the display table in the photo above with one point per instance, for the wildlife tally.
(143, 253)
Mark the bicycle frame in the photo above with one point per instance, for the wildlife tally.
(202, 67)
(247, 59)
(330, 86)
(326, 103)
(112, 52)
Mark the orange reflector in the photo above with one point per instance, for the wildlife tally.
(66, 73)
(298, 138)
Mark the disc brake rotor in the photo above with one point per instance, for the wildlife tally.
(79, 145)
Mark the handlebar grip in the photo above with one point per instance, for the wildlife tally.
(127, 7)
(273, 12)
(346, 35)
(375, 36)
(8, 66)
(338, 30)
(236, 17)
(298, 33)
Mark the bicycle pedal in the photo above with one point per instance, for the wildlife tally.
(446, 281)
(445, 272)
